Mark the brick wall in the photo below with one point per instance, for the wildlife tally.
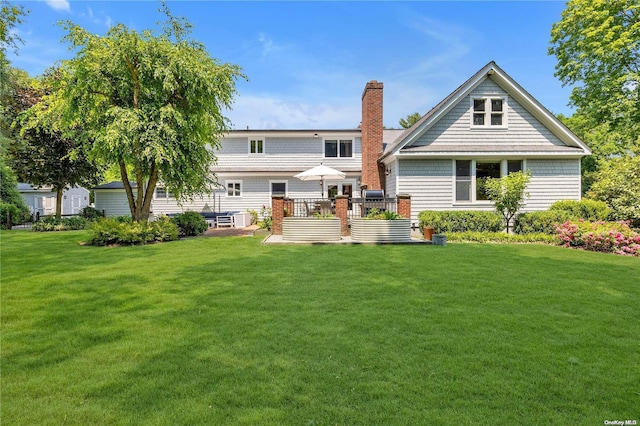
(372, 135)
(404, 205)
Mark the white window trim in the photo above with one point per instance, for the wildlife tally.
(286, 187)
(338, 139)
(167, 195)
(257, 138)
(487, 119)
(473, 201)
(226, 188)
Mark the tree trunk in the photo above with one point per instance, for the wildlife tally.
(59, 202)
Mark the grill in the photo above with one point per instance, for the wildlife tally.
(372, 199)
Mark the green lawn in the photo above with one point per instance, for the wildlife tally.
(229, 331)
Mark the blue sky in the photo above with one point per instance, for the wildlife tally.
(308, 62)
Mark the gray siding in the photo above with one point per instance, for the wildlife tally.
(391, 180)
(431, 184)
(113, 202)
(455, 126)
(552, 180)
(295, 153)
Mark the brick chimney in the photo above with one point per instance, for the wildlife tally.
(372, 135)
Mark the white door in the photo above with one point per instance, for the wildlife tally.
(75, 204)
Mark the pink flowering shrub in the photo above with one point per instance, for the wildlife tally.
(607, 237)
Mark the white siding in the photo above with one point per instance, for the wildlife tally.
(552, 180)
(455, 127)
(294, 153)
(391, 180)
(112, 201)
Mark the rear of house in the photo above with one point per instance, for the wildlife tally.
(488, 127)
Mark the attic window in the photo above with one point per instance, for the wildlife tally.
(488, 112)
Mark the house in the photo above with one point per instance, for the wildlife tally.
(42, 200)
(488, 127)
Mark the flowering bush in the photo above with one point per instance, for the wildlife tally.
(267, 219)
(608, 237)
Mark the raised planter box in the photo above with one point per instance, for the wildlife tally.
(381, 231)
(310, 229)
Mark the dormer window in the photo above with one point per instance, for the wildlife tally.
(488, 112)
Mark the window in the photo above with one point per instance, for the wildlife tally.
(483, 172)
(488, 112)
(161, 192)
(234, 188)
(256, 146)
(279, 188)
(471, 177)
(342, 148)
(463, 180)
(514, 166)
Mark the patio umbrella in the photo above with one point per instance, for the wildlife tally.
(320, 173)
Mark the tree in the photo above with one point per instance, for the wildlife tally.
(410, 120)
(41, 155)
(597, 44)
(618, 184)
(11, 15)
(146, 102)
(508, 193)
(13, 209)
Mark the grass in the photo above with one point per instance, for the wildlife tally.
(229, 331)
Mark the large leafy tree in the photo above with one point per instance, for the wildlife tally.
(13, 209)
(151, 104)
(618, 184)
(597, 44)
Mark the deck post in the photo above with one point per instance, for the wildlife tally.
(342, 213)
(277, 214)
(404, 205)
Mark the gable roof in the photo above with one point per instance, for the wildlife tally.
(573, 144)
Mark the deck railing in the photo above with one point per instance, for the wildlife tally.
(357, 207)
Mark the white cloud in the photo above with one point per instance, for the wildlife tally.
(100, 19)
(275, 112)
(267, 44)
(62, 5)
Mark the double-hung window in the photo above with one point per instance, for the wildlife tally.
(488, 112)
(256, 146)
(338, 148)
(162, 193)
(234, 188)
(471, 177)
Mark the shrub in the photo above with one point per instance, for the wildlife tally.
(190, 224)
(460, 221)
(12, 214)
(267, 219)
(543, 221)
(589, 210)
(501, 237)
(113, 231)
(607, 237)
(90, 213)
(52, 223)
(375, 214)
(254, 216)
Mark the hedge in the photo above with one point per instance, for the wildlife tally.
(589, 210)
(190, 224)
(460, 221)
